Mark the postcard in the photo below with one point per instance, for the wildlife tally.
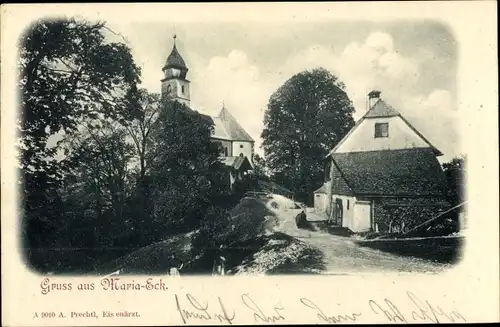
(267, 163)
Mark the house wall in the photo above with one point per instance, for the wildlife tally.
(320, 203)
(336, 187)
(401, 136)
(245, 148)
(347, 210)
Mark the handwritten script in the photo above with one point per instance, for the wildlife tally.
(412, 310)
(421, 311)
(197, 311)
(329, 318)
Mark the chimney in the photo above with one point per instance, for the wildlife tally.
(373, 97)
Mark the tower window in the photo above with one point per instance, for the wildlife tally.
(381, 130)
(169, 88)
(225, 151)
(182, 88)
(241, 146)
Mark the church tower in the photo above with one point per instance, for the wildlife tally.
(174, 83)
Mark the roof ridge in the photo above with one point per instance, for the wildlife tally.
(386, 150)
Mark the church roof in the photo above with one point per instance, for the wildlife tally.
(219, 129)
(175, 60)
(381, 109)
(226, 127)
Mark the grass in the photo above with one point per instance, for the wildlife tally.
(249, 219)
(152, 259)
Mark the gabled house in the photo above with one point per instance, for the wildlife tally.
(383, 175)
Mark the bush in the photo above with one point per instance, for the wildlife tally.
(221, 229)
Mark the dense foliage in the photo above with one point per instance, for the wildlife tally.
(68, 74)
(187, 175)
(305, 118)
(455, 173)
(106, 167)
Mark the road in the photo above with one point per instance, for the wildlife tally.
(343, 256)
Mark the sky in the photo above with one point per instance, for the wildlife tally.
(413, 64)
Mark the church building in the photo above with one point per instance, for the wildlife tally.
(237, 145)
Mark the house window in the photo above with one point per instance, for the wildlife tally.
(347, 204)
(381, 129)
(225, 151)
(241, 146)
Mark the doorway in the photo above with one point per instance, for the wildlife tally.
(338, 213)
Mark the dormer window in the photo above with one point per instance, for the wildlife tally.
(381, 130)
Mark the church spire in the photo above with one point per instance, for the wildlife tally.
(174, 84)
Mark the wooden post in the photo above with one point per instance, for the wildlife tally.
(372, 215)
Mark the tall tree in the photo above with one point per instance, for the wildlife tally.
(186, 172)
(68, 72)
(142, 126)
(97, 180)
(141, 130)
(305, 118)
(260, 166)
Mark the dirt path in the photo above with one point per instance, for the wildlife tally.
(343, 256)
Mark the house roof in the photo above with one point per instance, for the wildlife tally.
(383, 109)
(322, 189)
(236, 162)
(409, 172)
